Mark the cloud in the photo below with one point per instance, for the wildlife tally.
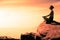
(49, 1)
(28, 2)
(55, 0)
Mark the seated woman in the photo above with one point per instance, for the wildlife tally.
(51, 16)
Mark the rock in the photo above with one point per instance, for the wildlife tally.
(51, 31)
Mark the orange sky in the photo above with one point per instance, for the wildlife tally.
(21, 16)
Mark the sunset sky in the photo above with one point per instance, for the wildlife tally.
(21, 16)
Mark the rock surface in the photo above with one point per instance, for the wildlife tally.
(51, 31)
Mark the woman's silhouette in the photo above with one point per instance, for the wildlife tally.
(51, 16)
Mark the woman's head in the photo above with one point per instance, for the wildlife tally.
(51, 7)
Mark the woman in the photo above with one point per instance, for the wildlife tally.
(51, 16)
